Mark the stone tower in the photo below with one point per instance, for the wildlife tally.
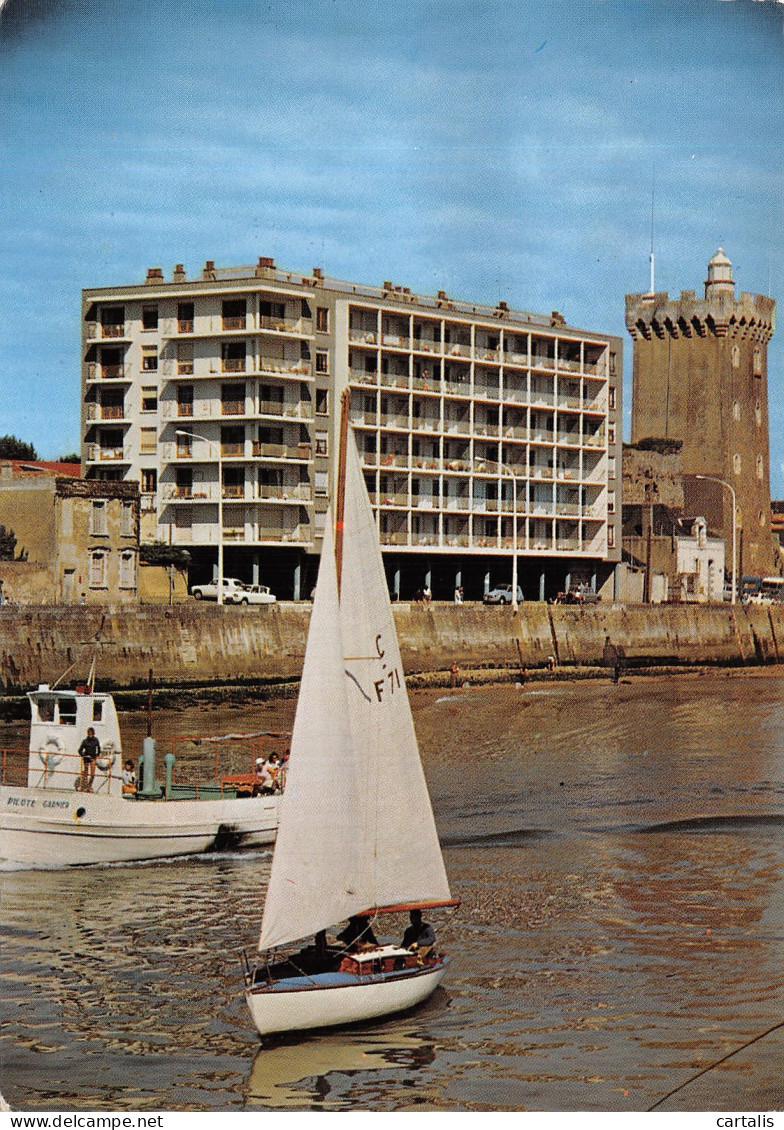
(700, 376)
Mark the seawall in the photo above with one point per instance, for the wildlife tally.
(198, 645)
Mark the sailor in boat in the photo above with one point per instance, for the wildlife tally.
(89, 751)
(358, 933)
(420, 937)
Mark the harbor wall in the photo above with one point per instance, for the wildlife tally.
(198, 644)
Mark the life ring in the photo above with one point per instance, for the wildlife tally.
(106, 760)
(52, 753)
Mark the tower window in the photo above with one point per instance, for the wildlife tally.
(736, 463)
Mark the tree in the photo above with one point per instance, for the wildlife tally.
(13, 448)
(7, 544)
(158, 553)
(72, 457)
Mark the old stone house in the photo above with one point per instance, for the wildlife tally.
(77, 540)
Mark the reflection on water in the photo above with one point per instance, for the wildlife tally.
(618, 851)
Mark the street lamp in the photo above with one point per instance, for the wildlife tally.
(192, 435)
(731, 489)
(481, 466)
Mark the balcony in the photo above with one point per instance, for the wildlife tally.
(283, 367)
(301, 326)
(233, 364)
(185, 326)
(302, 492)
(232, 407)
(362, 337)
(394, 380)
(114, 454)
(233, 490)
(232, 450)
(98, 371)
(421, 346)
(300, 451)
(237, 322)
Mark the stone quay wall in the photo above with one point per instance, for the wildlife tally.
(197, 645)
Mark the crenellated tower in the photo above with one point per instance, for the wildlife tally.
(700, 376)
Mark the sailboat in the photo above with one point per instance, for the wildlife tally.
(356, 835)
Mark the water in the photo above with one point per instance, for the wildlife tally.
(618, 851)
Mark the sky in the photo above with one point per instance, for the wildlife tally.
(528, 151)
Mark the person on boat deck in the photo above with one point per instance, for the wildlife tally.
(419, 936)
(89, 751)
(358, 933)
(266, 781)
(273, 768)
(129, 779)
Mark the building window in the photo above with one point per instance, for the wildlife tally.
(149, 481)
(762, 519)
(322, 402)
(185, 400)
(127, 520)
(322, 362)
(98, 517)
(128, 569)
(149, 399)
(233, 399)
(735, 356)
(611, 433)
(736, 463)
(611, 537)
(148, 442)
(234, 311)
(322, 319)
(185, 318)
(113, 321)
(97, 571)
(736, 409)
(611, 467)
(322, 444)
(611, 502)
(233, 357)
(757, 362)
(184, 358)
(613, 364)
(321, 482)
(758, 413)
(760, 467)
(149, 317)
(611, 398)
(150, 358)
(184, 445)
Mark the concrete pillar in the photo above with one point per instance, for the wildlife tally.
(396, 584)
(297, 580)
(486, 587)
(255, 579)
(542, 588)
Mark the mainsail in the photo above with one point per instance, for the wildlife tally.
(356, 826)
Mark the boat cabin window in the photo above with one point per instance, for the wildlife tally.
(45, 709)
(97, 710)
(68, 711)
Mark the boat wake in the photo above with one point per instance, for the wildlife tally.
(204, 858)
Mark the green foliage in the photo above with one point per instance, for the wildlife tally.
(158, 553)
(661, 445)
(72, 457)
(13, 448)
(7, 544)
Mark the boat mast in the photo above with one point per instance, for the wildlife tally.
(340, 492)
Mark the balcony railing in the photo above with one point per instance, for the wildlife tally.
(185, 326)
(302, 492)
(232, 450)
(96, 370)
(232, 407)
(233, 490)
(281, 450)
(114, 329)
(279, 365)
(233, 364)
(235, 323)
(362, 337)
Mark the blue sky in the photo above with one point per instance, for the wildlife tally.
(492, 149)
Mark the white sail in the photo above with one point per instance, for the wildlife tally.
(312, 884)
(356, 826)
(403, 855)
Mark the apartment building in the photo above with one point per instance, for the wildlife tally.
(484, 431)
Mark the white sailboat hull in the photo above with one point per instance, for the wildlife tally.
(325, 1001)
(52, 828)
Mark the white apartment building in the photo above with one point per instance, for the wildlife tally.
(484, 431)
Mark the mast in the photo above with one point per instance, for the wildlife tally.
(340, 491)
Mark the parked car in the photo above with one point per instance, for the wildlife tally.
(251, 594)
(209, 591)
(581, 595)
(502, 594)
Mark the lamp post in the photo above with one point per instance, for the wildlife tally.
(192, 435)
(481, 466)
(731, 489)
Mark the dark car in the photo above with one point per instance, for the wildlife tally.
(581, 595)
(502, 594)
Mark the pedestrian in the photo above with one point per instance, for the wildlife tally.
(454, 673)
(427, 595)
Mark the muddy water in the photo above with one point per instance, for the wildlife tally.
(619, 853)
